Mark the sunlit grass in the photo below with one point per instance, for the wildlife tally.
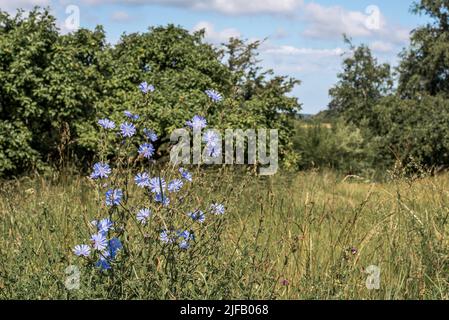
(287, 237)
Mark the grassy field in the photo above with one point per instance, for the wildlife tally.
(306, 235)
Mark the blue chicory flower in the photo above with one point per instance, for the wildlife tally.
(146, 150)
(214, 95)
(82, 250)
(106, 123)
(142, 180)
(175, 185)
(114, 197)
(127, 129)
(101, 170)
(197, 123)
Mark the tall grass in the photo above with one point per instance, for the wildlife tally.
(291, 236)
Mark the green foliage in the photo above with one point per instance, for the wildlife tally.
(56, 86)
(415, 129)
(424, 68)
(15, 151)
(333, 145)
(361, 84)
(46, 82)
(299, 227)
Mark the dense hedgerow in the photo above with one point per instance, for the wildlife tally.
(54, 87)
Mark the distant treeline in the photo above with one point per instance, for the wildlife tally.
(383, 117)
(54, 88)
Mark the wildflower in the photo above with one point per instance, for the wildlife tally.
(106, 123)
(130, 115)
(150, 135)
(147, 150)
(217, 208)
(185, 174)
(99, 241)
(143, 215)
(185, 236)
(103, 264)
(354, 251)
(211, 138)
(82, 250)
(197, 122)
(197, 215)
(284, 282)
(101, 170)
(114, 197)
(164, 200)
(214, 95)
(104, 225)
(175, 185)
(157, 185)
(166, 236)
(184, 245)
(127, 129)
(144, 87)
(142, 180)
(113, 246)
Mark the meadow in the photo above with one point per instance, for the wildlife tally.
(303, 235)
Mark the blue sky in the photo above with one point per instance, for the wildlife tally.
(303, 38)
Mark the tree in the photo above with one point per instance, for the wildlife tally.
(54, 88)
(424, 68)
(362, 83)
(49, 84)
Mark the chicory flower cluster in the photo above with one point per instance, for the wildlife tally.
(105, 244)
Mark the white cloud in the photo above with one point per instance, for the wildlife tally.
(214, 36)
(381, 46)
(232, 7)
(295, 51)
(120, 16)
(327, 22)
(11, 6)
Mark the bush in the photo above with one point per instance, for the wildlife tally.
(415, 130)
(56, 86)
(333, 145)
